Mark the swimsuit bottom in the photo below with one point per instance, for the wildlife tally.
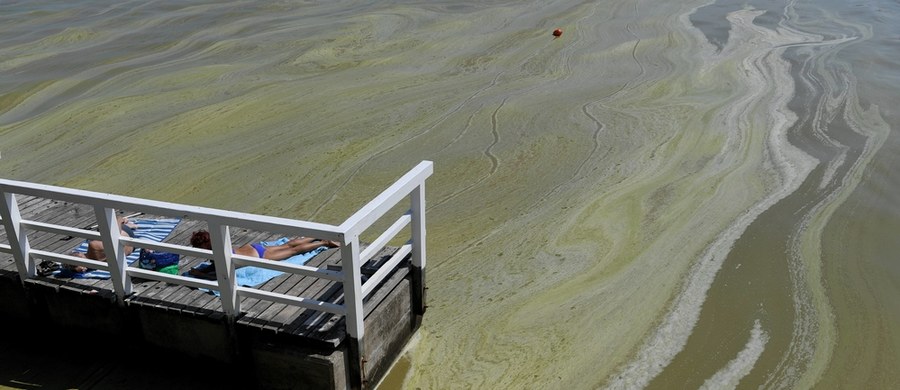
(259, 249)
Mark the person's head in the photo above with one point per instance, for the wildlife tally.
(200, 239)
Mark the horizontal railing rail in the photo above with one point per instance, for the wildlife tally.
(217, 216)
(410, 186)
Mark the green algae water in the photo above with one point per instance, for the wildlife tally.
(695, 194)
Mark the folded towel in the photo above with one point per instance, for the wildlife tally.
(253, 276)
(147, 229)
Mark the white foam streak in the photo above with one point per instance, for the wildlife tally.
(812, 337)
(761, 66)
(730, 376)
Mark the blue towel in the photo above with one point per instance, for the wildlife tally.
(253, 276)
(147, 229)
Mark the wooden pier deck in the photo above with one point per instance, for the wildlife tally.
(289, 346)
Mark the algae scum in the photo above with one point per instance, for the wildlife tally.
(699, 194)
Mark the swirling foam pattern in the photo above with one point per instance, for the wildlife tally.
(669, 195)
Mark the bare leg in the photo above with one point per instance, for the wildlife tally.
(299, 241)
(95, 252)
(77, 268)
(124, 221)
(95, 248)
(296, 246)
(127, 248)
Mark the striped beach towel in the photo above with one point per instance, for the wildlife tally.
(147, 229)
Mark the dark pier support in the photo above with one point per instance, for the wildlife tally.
(418, 294)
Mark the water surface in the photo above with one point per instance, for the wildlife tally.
(697, 194)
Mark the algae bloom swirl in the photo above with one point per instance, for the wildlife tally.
(693, 194)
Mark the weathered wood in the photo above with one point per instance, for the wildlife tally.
(300, 287)
(312, 321)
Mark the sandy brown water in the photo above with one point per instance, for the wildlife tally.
(670, 194)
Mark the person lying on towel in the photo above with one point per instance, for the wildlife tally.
(200, 239)
(95, 247)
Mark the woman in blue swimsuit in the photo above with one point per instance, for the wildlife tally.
(200, 239)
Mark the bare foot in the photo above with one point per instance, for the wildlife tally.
(76, 268)
(123, 221)
(330, 244)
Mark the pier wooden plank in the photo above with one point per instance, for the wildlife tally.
(193, 301)
(320, 289)
(252, 308)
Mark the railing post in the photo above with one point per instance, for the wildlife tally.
(350, 264)
(220, 238)
(18, 240)
(417, 209)
(110, 231)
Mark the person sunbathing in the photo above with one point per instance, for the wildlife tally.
(95, 247)
(296, 246)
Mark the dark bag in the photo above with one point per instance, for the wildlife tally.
(157, 261)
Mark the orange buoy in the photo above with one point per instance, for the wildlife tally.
(557, 33)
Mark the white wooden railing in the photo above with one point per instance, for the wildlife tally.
(411, 186)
